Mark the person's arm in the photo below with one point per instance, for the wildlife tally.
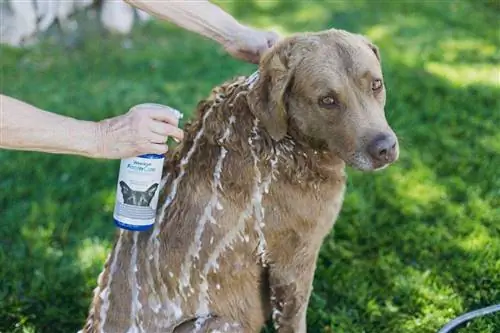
(209, 20)
(25, 127)
(201, 17)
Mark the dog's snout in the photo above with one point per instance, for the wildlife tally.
(382, 149)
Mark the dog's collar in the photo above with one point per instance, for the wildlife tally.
(252, 79)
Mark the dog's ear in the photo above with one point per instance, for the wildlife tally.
(373, 47)
(125, 188)
(151, 190)
(376, 51)
(267, 97)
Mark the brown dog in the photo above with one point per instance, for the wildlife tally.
(250, 194)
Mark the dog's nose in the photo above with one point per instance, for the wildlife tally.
(383, 148)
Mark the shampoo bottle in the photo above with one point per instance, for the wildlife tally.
(138, 188)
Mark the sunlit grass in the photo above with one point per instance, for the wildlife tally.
(313, 12)
(378, 32)
(108, 201)
(457, 50)
(491, 142)
(477, 240)
(467, 74)
(417, 187)
(92, 253)
(434, 298)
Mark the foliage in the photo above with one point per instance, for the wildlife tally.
(416, 244)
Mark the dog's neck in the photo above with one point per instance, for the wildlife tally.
(224, 120)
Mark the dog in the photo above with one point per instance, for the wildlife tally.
(250, 194)
(137, 198)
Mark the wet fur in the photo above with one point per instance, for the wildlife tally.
(300, 208)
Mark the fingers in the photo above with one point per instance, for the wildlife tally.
(268, 39)
(151, 144)
(166, 114)
(165, 130)
(158, 119)
(157, 148)
(157, 138)
(272, 38)
(251, 44)
(165, 122)
(151, 125)
(251, 57)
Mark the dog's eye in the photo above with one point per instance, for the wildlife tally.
(327, 101)
(376, 84)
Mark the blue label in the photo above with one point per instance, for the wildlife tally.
(152, 156)
(132, 227)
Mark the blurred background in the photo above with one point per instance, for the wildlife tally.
(416, 244)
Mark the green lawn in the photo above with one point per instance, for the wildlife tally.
(416, 244)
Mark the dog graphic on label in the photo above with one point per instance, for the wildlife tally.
(138, 198)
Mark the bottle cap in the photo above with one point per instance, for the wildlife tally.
(177, 113)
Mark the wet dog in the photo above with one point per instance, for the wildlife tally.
(250, 194)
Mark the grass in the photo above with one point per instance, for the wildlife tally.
(415, 246)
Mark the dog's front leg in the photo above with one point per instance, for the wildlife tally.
(290, 281)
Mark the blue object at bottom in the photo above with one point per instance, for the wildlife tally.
(151, 156)
(132, 227)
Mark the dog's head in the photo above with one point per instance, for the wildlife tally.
(329, 86)
(137, 198)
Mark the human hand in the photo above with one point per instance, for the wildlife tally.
(144, 129)
(249, 44)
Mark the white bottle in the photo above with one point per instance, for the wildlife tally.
(138, 188)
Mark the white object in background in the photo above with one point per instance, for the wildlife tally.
(117, 16)
(80, 4)
(142, 15)
(18, 22)
(21, 20)
(46, 11)
(65, 9)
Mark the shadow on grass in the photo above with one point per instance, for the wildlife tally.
(415, 245)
